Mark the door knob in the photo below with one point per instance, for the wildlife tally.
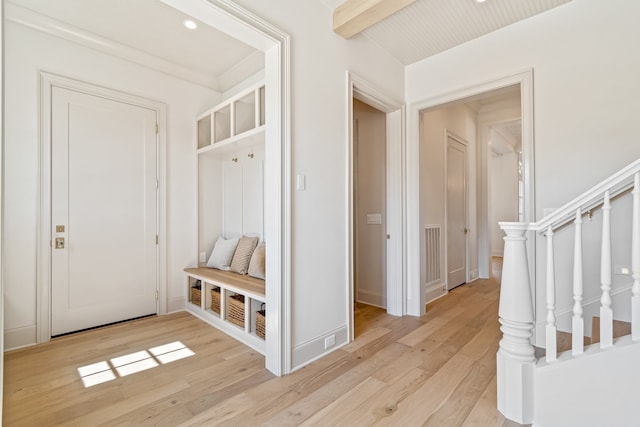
(59, 242)
(466, 230)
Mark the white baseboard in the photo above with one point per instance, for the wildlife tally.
(473, 275)
(434, 290)
(311, 350)
(176, 304)
(372, 298)
(19, 337)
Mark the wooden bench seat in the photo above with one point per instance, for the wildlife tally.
(243, 284)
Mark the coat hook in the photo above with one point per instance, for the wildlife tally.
(250, 155)
(589, 215)
(235, 159)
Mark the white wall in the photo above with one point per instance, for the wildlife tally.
(370, 198)
(503, 193)
(319, 60)
(28, 52)
(461, 121)
(585, 72)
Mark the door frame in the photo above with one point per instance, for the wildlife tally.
(448, 134)
(361, 89)
(414, 288)
(43, 295)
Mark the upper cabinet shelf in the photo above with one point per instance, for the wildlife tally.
(235, 123)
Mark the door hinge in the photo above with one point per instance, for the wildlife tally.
(156, 295)
(157, 184)
(156, 128)
(157, 239)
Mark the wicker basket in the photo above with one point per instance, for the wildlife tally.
(215, 300)
(235, 313)
(260, 324)
(196, 293)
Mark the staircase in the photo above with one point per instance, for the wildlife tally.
(588, 385)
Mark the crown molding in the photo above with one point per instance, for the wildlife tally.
(45, 24)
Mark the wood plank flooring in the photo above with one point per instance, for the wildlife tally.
(439, 370)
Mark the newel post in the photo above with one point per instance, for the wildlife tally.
(515, 358)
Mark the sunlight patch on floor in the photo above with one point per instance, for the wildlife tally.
(101, 372)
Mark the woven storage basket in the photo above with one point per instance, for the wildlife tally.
(235, 313)
(195, 293)
(260, 324)
(215, 300)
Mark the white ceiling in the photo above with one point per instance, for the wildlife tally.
(211, 57)
(428, 27)
(151, 33)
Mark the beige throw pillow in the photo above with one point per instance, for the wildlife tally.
(257, 264)
(242, 256)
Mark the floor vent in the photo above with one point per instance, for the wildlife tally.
(432, 253)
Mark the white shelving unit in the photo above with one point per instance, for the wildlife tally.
(234, 124)
(229, 284)
(229, 134)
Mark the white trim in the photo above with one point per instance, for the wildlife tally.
(43, 292)
(445, 255)
(361, 89)
(17, 338)
(2, 343)
(415, 291)
(313, 349)
(375, 299)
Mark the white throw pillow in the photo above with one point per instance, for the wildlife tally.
(222, 253)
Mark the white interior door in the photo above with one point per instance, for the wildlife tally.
(456, 213)
(103, 211)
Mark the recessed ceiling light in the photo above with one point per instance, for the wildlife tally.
(480, 1)
(189, 24)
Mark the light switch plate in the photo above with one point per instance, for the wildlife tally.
(301, 182)
(203, 256)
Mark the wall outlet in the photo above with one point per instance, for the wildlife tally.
(203, 257)
(329, 341)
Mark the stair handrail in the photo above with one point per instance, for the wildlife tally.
(516, 355)
(617, 184)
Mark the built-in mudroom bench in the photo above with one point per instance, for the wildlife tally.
(214, 303)
(223, 289)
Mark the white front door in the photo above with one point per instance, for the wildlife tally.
(103, 211)
(456, 213)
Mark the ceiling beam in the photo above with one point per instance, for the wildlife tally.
(355, 16)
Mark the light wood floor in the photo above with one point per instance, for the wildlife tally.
(439, 370)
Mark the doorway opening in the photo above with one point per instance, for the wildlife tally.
(475, 115)
(369, 207)
(374, 199)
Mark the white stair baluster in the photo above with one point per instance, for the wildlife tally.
(635, 260)
(606, 315)
(577, 330)
(551, 343)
